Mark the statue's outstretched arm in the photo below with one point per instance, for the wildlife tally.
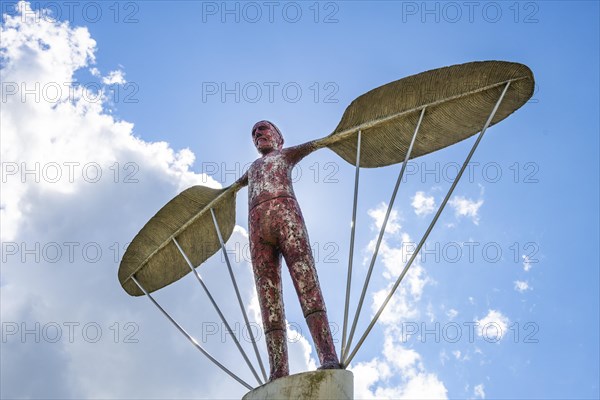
(297, 153)
(242, 181)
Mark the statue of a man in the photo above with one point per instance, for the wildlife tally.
(277, 228)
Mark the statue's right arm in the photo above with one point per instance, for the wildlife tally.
(243, 180)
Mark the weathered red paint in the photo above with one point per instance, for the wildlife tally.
(277, 229)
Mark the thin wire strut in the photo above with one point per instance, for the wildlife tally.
(191, 338)
(347, 361)
(218, 310)
(381, 232)
(237, 293)
(351, 256)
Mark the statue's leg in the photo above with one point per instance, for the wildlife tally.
(318, 324)
(298, 256)
(266, 262)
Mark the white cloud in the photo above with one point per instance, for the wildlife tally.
(67, 140)
(527, 264)
(400, 372)
(493, 326)
(444, 357)
(522, 286)
(299, 352)
(421, 386)
(422, 204)
(403, 305)
(109, 183)
(378, 215)
(430, 312)
(366, 376)
(464, 207)
(114, 77)
(452, 313)
(478, 391)
(398, 309)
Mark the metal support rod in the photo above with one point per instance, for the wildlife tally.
(381, 232)
(351, 256)
(347, 361)
(191, 338)
(237, 293)
(218, 310)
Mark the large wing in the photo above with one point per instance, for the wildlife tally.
(458, 98)
(153, 257)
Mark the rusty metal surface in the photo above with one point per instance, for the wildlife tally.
(277, 230)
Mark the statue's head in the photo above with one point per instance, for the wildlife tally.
(266, 137)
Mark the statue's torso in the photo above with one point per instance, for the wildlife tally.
(269, 177)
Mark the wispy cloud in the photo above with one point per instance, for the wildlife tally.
(479, 392)
(527, 264)
(522, 286)
(464, 207)
(422, 204)
(377, 378)
(114, 77)
(378, 215)
(493, 326)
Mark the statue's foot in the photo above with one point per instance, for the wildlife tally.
(334, 364)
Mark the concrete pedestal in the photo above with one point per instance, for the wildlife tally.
(314, 385)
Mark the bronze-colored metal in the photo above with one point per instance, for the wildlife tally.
(153, 257)
(457, 98)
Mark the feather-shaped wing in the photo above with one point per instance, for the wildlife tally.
(458, 98)
(153, 257)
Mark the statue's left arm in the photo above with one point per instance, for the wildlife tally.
(296, 153)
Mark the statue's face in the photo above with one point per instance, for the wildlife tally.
(265, 137)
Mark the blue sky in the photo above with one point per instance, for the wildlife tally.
(183, 82)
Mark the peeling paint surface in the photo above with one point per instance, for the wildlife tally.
(277, 229)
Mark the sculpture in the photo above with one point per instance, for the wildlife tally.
(391, 124)
(277, 228)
